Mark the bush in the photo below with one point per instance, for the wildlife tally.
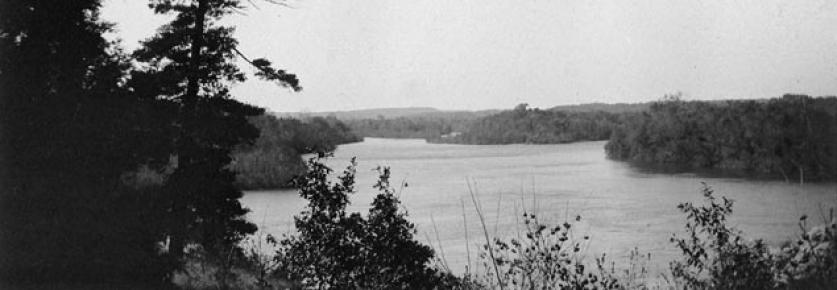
(546, 257)
(715, 255)
(338, 249)
(811, 261)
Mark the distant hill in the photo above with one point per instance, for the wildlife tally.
(387, 113)
(428, 112)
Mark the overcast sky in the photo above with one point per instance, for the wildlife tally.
(481, 54)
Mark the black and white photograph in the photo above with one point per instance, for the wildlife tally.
(423, 144)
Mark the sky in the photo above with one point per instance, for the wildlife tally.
(495, 54)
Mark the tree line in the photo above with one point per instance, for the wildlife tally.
(535, 126)
(562, 124)
(794, 137)
(423, 126)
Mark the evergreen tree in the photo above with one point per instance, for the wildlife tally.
(190, 61)
(70, 135)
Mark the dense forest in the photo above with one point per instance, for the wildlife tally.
(559, 124)
(276, 156)
(794, 137)
(404, 127)
(535, 126)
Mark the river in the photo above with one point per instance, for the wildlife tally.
(622, 207)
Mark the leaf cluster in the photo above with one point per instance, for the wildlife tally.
(338, 249)
(716, 256)
(545, 257)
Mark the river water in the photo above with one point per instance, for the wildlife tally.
(622, 207)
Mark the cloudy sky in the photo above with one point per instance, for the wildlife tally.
(481, 54)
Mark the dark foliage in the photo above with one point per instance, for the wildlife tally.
(80, 137)
(794, 137)
(342, 250)
(716, 256)
(274, 160)
(190, 61)
(70, 137)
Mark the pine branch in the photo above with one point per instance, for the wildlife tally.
(266, 72)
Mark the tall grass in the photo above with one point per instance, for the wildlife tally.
(543, 255)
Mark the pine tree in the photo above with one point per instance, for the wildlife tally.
(69, 135)
(190, 61)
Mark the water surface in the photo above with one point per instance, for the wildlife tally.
(621, 207)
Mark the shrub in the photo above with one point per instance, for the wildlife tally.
(715, 255)
(633, 276)
(546, 257)
(811, 261)
(337, 249)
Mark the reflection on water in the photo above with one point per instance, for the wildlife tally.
(622, 206)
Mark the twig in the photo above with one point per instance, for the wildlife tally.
(247, 59)
(497, 213)
(401, 188)
(467, 240)
(439, 241)
(430, 241)
(485, 232)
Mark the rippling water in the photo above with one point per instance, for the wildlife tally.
(621, 207)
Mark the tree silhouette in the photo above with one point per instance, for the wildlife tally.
(70, 135)
(190, 61)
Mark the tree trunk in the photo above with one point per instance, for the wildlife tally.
(195, 58)
(186, 146)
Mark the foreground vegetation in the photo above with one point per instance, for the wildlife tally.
(334, 248)
(716, 256)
